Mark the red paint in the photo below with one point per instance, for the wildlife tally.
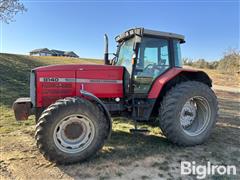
(102, 90)
(163, 79)
(48, 92)
(75, 67)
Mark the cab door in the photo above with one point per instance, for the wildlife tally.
(152, 61)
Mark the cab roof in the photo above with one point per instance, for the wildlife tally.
(147, 32)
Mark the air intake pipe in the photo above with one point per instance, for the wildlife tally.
(106, 60)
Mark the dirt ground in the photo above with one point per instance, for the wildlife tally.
(127, 156)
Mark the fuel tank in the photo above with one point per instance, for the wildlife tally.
(60, 81)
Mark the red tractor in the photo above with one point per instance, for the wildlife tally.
(145, 81)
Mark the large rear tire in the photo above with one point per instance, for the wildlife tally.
(188, 113)
(71, 130)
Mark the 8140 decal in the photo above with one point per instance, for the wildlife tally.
(50, 79)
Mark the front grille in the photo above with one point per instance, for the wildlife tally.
(33, 88)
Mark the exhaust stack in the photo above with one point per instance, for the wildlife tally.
(106, 60)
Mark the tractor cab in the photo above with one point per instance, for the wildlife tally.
(147, 54)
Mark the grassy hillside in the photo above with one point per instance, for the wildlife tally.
(14, 73)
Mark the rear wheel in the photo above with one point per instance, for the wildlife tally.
(71, 130)
(188, 113)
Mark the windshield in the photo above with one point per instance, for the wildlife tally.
(125, 54)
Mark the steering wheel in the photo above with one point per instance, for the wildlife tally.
(152, 69)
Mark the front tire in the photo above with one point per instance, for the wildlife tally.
(71, 130)
(188, 113)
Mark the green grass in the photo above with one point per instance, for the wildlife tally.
(8, 123)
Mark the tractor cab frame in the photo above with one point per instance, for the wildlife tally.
(147, 56)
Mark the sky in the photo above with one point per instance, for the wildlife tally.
(210, 27)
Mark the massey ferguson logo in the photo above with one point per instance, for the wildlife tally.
(49, 79)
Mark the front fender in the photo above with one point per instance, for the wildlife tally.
(95, 99)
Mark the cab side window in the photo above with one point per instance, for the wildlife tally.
(152, 61)
(177, 53)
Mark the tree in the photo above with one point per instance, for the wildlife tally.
(9, 8)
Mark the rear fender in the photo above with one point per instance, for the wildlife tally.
(96, 100)
(173, 73)
(169, 79)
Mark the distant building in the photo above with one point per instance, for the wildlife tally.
(57, 52)
(70, 54)
(53, 52)
(41, 52)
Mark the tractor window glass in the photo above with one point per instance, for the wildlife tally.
(150, 56)
(125, 55)
(177, 53)
(152, 61)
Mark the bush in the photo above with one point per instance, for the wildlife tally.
(230, 63)
(201, 63)
(213, 65)
(187, 61)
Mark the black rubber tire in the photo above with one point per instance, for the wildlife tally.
(55, 113)
(171, 107)
(38, 114)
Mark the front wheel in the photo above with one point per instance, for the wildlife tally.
(188, 113)
(71, 130)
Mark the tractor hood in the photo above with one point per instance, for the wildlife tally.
(75, 67)
(60, 81)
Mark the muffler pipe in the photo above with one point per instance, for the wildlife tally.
(106, 60)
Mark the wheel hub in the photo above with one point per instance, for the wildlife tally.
(195, 115)
(73, 130)
(188, 113)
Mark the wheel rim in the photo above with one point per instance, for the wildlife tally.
(195, 116)
(74, 133)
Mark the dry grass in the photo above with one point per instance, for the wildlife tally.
(220, 78)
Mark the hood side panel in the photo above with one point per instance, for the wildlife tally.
(52, 85)
(102, 83)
